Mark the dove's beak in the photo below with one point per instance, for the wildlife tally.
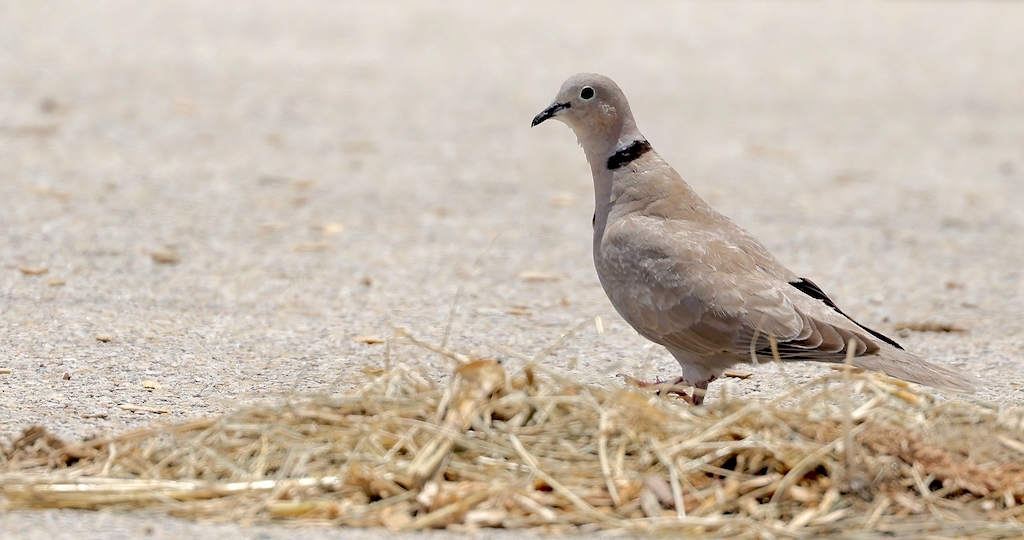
(550, 112)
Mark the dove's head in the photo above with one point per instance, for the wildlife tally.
(596, 110)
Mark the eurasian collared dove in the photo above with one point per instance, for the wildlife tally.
(686, 277)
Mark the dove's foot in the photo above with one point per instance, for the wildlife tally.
(676, 387)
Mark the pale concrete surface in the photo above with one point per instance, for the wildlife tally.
(66, 524)
(325, 170)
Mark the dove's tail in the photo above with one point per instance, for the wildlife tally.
(909, 367)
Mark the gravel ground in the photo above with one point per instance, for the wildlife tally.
(223, 196)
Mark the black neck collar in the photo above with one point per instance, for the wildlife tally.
(628, 154)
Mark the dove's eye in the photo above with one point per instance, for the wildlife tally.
(587, 93)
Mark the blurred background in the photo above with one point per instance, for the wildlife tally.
(207, 202)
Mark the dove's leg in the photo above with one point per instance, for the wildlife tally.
(700, 390)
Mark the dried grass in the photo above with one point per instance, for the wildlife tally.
(538, 450)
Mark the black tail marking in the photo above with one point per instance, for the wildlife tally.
(808, 287)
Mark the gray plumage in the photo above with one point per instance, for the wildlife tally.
(686, 277)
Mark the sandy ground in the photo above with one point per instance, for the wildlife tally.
(224, 195)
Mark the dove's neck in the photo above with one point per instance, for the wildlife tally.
(605, 149)
(630, 177)
(600, 145)
(602, 184)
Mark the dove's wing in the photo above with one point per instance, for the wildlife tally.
(711, 291)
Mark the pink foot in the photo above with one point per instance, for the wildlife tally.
(676, 387)
(665, 387)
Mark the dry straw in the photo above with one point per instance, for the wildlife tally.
(537, 450)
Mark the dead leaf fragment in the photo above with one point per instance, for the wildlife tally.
(105, 338)
(56, 282)
(34, 270)
(47, 191)
(5, 371)
(929, 326)
(532, 276)
(369, 340)
(166, 256)
(372, 371)
(736, 374)
(332, 228)
(40, 130)
(142, 408)
(563, 199)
